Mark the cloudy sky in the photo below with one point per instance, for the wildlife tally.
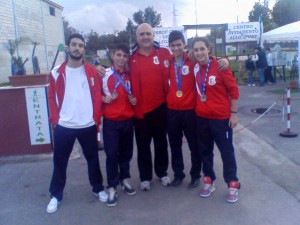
(108, 16)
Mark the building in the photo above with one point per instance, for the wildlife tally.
(31, 21)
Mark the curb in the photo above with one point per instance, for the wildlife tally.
(266, 158)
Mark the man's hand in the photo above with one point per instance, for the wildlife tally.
(101, 71)
(233, 121)
(223, 64)
(133, 101)
(191, 55)
(107, 99)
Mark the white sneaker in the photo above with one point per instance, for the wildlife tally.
(53, 205)
(145, 185)
(102, 195)
(253, 85)
(165, 181)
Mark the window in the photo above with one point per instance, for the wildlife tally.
(51, 11)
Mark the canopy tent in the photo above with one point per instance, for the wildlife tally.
(289, 32)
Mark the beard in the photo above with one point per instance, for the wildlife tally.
(74, 57)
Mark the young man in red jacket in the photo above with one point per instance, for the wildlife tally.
(74, 98)
(181, 118)
(118, 124)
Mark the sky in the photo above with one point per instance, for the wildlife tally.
(110, 16)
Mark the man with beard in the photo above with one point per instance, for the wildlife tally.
(74, 97)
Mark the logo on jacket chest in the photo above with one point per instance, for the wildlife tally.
(155, 60)
(212, 80)
(185, 70)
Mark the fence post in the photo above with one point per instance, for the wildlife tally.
(288, 132)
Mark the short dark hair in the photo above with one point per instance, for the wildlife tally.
(122, 47)
(176, 35)
(75, 35)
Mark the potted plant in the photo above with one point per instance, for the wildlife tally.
(18, 80)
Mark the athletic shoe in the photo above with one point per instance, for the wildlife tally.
(102, 195)
(176, 182)
(209, 187)
(233, 191)
(112, 197)
(53, 205)
(145, 185)
(126, 187)
(195, 182)
(253, 85)
(249, 85)
(165, 181)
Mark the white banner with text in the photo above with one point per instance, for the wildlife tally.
(161, 34)
(240, 32)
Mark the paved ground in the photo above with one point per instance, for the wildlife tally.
(268, 168)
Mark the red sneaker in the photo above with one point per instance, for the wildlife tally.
(233, 191)
(208, 188)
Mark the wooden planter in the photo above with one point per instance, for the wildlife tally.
(28, 80)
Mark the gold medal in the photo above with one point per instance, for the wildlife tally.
(203, 98)
(179, 94)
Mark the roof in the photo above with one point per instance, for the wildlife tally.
(289, 32)
(54, 4)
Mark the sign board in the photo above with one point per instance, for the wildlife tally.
(219, 41)
(37, 112)
(241, 32)
(161, 34)
(230, 50)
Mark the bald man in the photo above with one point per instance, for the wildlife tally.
(149, 68)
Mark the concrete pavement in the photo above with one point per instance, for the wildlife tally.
(268, 168)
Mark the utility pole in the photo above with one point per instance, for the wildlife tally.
(260, 22)
(196, 18)
(237, 10)
(174, 16)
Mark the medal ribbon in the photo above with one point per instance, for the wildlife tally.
(179, 78)
(120, 81)
(203, 84)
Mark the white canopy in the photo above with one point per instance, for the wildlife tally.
(289, 32)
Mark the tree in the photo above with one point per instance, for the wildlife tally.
(68, 30)
(123, 37)
(286, 11)
(131, 29)
(149, 15)
(265, 13)
(93, 42)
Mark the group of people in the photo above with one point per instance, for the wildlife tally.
(262, 61)
(152, 93)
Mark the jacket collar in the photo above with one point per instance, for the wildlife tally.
(62, 68)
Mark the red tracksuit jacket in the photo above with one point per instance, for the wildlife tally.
(56, 91)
